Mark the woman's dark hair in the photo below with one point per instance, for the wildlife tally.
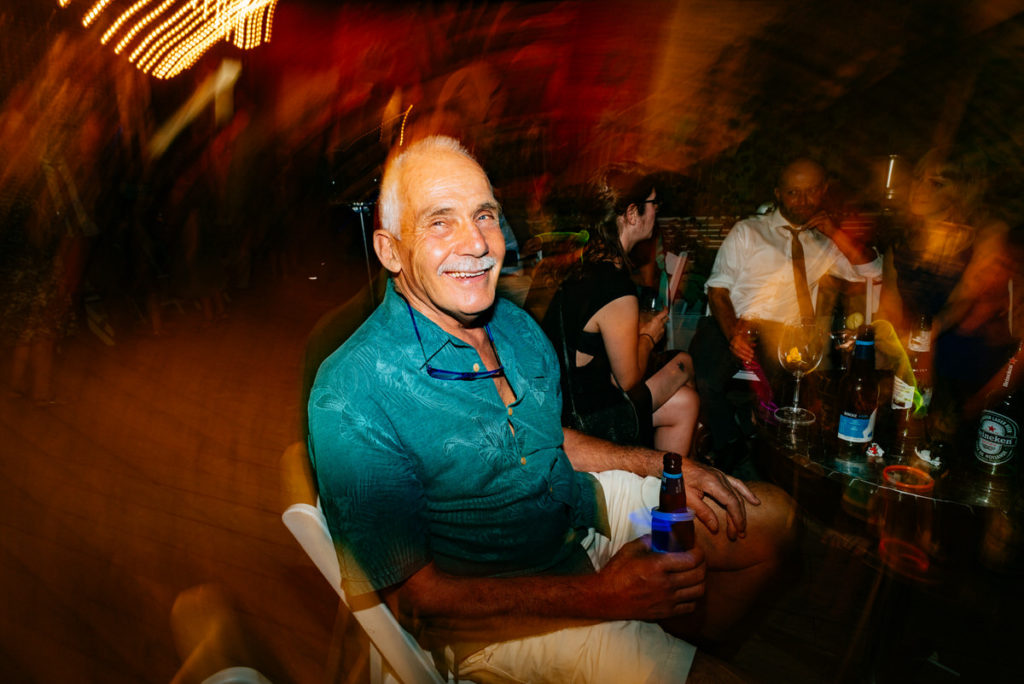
(614, 193)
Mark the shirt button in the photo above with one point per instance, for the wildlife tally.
(510, 410)
(523, 460)
(476, 367)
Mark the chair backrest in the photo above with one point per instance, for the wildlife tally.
(403, 656)
(330, 331)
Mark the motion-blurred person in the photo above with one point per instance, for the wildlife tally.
(952, 267)
(197, 267)
(754, 287)
(604, 342)
(51, 133)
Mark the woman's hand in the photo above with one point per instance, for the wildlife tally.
(653, 323)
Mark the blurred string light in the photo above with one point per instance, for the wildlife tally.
(165, 37)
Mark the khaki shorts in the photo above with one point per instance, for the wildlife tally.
(621, 652)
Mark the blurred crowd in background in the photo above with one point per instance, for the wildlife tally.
(120, 190)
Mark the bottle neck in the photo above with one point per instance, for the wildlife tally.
(1010, 372)
(864, 353)
(1011, 369)
(672, 464)
(920, 340)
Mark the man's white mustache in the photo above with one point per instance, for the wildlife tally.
(468, 265)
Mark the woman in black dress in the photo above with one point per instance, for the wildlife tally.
(596, 313)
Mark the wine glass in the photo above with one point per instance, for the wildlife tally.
(801, 347)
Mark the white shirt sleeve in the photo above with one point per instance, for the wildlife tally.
(729, 260)
(842, 268)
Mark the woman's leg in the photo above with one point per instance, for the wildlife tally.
(676, 405)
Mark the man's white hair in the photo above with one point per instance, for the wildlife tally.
(389, 205)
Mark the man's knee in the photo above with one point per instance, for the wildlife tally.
(770, 534)
(775, 520)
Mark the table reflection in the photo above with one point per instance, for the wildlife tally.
(925, 520)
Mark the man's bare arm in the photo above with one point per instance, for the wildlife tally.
(591, 454)
(856, 252)
(725, 315)
(635, 584)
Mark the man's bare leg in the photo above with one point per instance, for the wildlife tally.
(739, 571)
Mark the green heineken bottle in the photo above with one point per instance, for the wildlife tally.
(996, 449)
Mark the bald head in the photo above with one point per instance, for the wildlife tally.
(390, 203)
(800, 190)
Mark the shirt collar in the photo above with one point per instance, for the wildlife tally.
(779, 223)
(431, 334)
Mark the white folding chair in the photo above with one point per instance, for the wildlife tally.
(395, 657)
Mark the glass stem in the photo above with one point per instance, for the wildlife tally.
(796, 391)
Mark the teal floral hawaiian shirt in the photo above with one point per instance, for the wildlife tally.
(414, 469)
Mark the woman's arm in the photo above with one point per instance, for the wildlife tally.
(981, 289)
(618, 321)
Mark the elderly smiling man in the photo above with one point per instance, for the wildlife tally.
(452, 489)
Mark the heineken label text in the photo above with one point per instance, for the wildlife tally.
(997, 438)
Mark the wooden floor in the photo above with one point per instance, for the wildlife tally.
(158, 472)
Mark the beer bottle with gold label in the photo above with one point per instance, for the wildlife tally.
(912, 394)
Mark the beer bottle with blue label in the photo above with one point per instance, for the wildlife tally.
(858, 406)
(998, 443)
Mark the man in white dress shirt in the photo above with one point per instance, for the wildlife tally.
(754, 287)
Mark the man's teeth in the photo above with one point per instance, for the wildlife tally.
(464, 274)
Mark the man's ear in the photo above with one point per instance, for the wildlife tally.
(386, 249)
